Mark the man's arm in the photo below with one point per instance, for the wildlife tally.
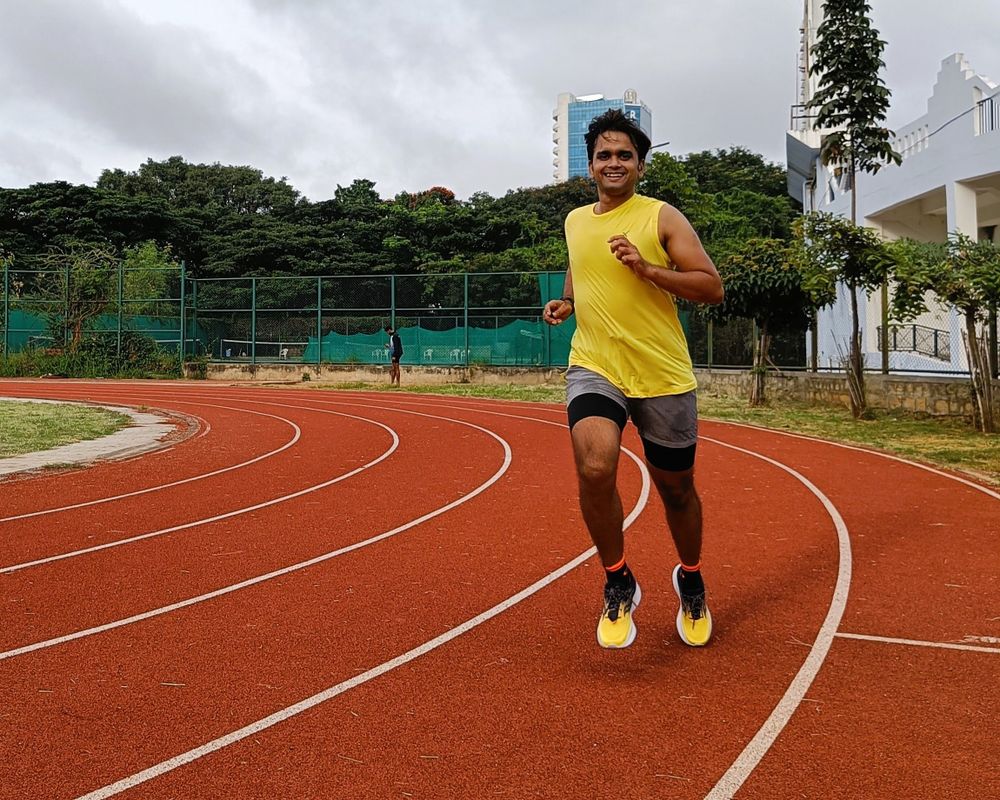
(694, 276)
(557, 311)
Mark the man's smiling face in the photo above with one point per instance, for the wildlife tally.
(615, 166)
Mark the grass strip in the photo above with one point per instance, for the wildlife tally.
(29, 427)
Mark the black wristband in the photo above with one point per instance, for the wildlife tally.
(568, 300)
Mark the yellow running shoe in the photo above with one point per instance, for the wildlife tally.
(694, 620)
(616, 628)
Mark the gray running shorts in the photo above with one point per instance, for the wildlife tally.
(670, 420)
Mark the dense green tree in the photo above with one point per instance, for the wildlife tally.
(765, 283)
(736, 168)
(829, 249)
(962, 273)
(242, 190)
(666, 178)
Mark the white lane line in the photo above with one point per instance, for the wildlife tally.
(304, 705)
(295, 567)
(918, 643)
(900, 459)
(229, 514)
(295, 437)
(747, 761)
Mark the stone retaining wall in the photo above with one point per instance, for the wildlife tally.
(933, 395)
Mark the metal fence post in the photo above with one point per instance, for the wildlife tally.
(6, 307)
(814, 341)
(711, 333)
(253, 320)
(392, 301)
(465, 306)
(547, 341)
(183, 346)
(884, 333)
(194, 313)
(66, 309)
(121, 297)
(319, 320)
(992, 341)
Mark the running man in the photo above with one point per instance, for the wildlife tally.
(395, 347)
(629, 256)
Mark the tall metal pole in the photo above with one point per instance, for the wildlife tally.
(66, 310)
(814, 341)
(6, 307)
(121, 297)
(183, 345)
(194, 314)
(392, 302)
(992, 341)
(710, 343)
(885, 329)
(319, 320)
(465, 307)
(547, 341)
(253, 320)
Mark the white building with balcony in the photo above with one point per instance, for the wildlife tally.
(949, 181)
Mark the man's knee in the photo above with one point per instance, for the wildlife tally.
(676, 489)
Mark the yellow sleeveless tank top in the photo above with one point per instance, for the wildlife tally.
(627, 329)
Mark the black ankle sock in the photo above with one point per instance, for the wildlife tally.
(691, 581)
(619, 575)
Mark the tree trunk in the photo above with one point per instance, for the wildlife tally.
(855, 364)
(759, 371)
(982, 388)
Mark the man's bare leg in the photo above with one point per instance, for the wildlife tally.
(596, 443)
(683, 511)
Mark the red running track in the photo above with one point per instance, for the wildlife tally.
(339, 594)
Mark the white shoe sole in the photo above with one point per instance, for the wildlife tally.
(680, 613)
(632, 630)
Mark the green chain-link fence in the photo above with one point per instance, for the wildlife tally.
(442, 319)
(107, 307)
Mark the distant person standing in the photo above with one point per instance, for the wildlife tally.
(629, 257)
(395, 348)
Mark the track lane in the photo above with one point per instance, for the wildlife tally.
(546, 674)
(76, 506)
(286, 601)
(252, 543)
(220, 496)
(210, 449)
(757, 610)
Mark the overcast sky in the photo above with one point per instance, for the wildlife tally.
(416, 93)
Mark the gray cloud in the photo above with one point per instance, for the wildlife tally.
(160, 87)
(414, 94)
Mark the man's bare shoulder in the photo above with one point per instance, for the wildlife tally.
(672, 218)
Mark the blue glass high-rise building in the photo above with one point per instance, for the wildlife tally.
(572, 117)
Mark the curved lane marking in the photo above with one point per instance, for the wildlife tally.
(879, 453)
(294, 567)
(917, 643)
(755, 750)
(295, 437)
(229, 514)
(730, 781)
(304, 705)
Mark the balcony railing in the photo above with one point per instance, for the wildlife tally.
(921, 339)
(987, 115)
(799, 112)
